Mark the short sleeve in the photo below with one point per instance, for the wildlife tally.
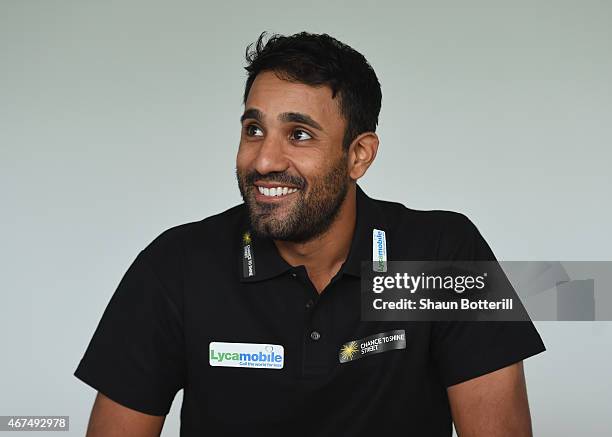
(463, 350)
(136, 354)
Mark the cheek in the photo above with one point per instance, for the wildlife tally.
(243, 158)
(310, 163)
(313, 172)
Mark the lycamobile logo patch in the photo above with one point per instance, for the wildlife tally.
(379, 250)
(254, 355)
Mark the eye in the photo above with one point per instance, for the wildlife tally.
(301, 135)
(252, 131)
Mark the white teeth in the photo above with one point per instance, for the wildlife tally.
(276, 191)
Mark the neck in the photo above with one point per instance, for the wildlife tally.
(324, 255)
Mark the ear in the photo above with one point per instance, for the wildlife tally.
(362, 152)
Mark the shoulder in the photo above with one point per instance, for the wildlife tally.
(210, 233)
(433, 234)
(401, 217)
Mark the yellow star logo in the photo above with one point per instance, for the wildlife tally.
(348, 350)
(246, 238)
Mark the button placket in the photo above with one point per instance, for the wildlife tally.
(315, 347)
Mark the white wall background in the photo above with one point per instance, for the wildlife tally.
(119, 119)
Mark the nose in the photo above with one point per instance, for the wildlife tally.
(271, 156)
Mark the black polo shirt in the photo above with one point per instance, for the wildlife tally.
(208, 308)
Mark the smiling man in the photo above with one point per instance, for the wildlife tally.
(255, 312)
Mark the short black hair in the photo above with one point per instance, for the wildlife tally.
(319, 59)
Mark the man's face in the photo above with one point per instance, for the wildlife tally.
(291, 168)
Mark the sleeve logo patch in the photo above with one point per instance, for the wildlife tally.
(252, 355)
(374, 344)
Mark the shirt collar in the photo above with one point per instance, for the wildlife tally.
(267, 262)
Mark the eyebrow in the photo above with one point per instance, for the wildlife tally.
(298, 117)
(253, 113)
(287, 117)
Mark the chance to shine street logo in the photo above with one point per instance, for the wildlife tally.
(248, 258)
(373, 344)
(348, 350)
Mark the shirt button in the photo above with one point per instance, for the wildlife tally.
(315, 335)
(293, 275)
(309, 304)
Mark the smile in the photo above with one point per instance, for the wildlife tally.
(276, 191)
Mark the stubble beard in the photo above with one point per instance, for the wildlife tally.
(309, 215)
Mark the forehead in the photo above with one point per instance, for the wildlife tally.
(273, 96)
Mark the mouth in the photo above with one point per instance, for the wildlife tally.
(265, 192)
